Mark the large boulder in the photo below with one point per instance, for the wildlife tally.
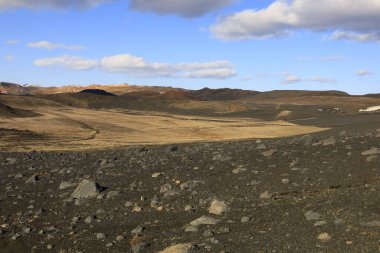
(87, 189)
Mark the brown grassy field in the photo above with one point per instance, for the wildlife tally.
(87, 129)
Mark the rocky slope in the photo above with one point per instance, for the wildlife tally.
(301, 194)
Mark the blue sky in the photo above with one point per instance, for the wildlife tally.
(258, 45)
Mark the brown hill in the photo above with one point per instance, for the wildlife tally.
(7, 111)
(223, 94)
(297, 93)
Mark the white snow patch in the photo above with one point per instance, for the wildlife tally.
(371, 109)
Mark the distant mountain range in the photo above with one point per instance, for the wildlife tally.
(158, 92)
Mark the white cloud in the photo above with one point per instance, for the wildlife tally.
(319, 79)
(364, 72)
(68, 62)
(363, 37)
(10, 57)
(291, 79)
(322, 58)
(36, 4)
(138, 66)
(12, 42)
(359, 17)
(182, 8)
(50, 46)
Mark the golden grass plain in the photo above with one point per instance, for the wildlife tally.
(73, 129)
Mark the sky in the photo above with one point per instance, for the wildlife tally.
(248, 44)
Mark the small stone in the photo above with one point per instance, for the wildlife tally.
(180, 248)
(137, 209)
(310, 216)
(19, 175)
(324, 237)
(128, 204)
(100, 236)
(245, 219)
(139, 247)
(49, 246)
(191, 229)
(138, 230)
(204, 220)
(285, 181)
(208, 233)
(319, 223)
(89, 219)
(218, 207)
(157, 174)
(109, 245)
(188, 208)
(329, 141)
(15, 236)
(119, 238)
(239, 170)
(269, 153)
(265, 195)
(33, 179)
(112, 194)
(371, 151)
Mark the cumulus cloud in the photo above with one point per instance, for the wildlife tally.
(68, 62)
(291, 79)
(138, 66)
(319, 79)
(60, 4)
(351, 19)
(50, 46)
(364, 72)
(182, 8)
(363, 37)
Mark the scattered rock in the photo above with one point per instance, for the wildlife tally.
(87, 189)
(180, 248)
(266, 195)
(324, 237)
(112, 194)
(139, 247)
(33, 179)
(371, 151)
(157, 174)
(204, 220)
(329, 141)
(269, 152)
(218, 207)
(312, 216)
(245, 219)
(100, 236)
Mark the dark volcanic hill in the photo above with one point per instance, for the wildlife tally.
(298, 93)
(223, 94)
(97, 92)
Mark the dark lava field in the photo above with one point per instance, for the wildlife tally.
(308, 193)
